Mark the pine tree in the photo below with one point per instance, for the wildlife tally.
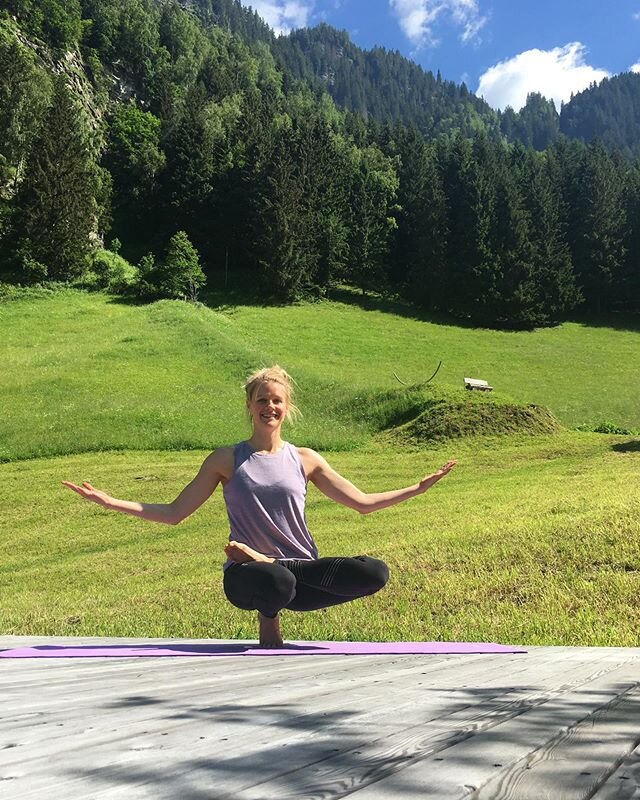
(608, 112)
(58, 22)
(373, 192)
(513, 301)
(56, 210)
(598, 226)
(420, 239)
(472, 273)
(133, 155)
(555, 289)
(536, 125)
(628, 286)
(24, 95)
(287, 253)
(180, 274)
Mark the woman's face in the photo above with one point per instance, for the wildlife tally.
(268, 407)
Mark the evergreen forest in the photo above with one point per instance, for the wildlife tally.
(156, 147)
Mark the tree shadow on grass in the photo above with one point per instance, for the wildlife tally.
(215, 298)
(623, 320)
(397, 306)
(632, 446)
(616, 320)
(245, 292)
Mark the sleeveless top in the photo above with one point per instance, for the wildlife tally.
(265, 499)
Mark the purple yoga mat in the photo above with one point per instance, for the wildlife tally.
(243, 649)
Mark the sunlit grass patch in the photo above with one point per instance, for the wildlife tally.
(531, 539)
(82, 372)
(522, 543)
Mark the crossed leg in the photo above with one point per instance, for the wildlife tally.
(270, 586)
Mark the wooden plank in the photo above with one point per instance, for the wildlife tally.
(182, 684)
(407, 765)
(66, 727)
(469, 769)
(163, 674)
(340, 762)
(307, 722)
(312, 718)
(624, 782)
(576, 762)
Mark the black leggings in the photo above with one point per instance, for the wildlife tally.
(302, 585)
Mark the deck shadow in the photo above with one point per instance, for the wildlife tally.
(343, 756)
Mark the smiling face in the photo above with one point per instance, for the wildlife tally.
(268, 406)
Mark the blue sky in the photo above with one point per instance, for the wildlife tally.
(502, 49)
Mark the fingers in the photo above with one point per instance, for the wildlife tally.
(70, 485)
(445, 469)
(83, 491)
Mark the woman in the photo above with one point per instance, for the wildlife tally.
(272, 561)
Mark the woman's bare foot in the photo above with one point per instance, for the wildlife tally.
(241, 553)
(269, 628)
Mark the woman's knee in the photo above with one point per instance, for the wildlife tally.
(246, 585)
(373, 570)
(281, 583)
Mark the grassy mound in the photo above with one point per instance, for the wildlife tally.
(83, 372)
(422, 413)
(461, 415)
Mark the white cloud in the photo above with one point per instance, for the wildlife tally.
(282, 15)
(417, 18)
(555, 74)
(635, 67)
(467, 14)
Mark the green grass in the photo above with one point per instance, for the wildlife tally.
(83, 373)
(583, 374)
(524, 542)
(533, 538)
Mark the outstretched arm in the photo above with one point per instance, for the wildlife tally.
(334, 486)
(214, 468)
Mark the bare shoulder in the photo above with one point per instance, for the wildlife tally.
(219, 463)
(311, 461)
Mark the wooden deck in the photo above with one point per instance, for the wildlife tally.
(556, 723)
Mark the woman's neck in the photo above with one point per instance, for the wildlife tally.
(266, 441)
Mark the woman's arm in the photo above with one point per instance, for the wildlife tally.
(334, 486)
(216, 467)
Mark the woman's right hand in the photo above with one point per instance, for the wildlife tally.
(429, 480)
(89, 493)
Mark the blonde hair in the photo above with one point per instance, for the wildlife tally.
(273, 374)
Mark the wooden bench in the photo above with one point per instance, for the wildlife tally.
(476, 383)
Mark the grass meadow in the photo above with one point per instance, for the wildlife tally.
(532, 539)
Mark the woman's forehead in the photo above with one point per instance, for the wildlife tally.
(268, 388)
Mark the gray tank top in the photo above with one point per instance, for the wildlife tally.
(265, 500)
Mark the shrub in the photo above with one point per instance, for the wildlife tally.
(607, 427)
(146, 286)
(112, 272)
(180, 275)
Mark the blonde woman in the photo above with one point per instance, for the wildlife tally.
(272, 560)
